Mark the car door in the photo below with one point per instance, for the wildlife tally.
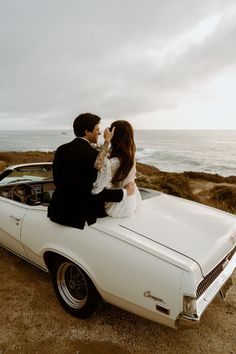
(11, 218)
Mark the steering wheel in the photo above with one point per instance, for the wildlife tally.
(24, 193)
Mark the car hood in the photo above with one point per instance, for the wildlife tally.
(203, 234)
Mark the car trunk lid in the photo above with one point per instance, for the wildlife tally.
(203, 234)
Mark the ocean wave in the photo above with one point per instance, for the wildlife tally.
(173, 162)
(172, 151)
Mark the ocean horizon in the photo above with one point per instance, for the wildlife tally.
(210, 151)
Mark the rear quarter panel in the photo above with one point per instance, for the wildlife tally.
(121, 272)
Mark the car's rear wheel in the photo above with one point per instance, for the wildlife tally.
(74, 288)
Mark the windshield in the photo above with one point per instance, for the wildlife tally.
(26, 173)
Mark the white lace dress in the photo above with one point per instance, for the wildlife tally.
(127, 206)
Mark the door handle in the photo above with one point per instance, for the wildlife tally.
(16, 218)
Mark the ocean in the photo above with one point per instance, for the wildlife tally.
(211, 151)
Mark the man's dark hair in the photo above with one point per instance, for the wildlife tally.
(85, 121)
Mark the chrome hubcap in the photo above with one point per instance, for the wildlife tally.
(72, 285)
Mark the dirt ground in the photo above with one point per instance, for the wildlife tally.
(32, 321)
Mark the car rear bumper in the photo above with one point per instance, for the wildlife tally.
(222, 285)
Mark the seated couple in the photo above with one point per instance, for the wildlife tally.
(91, 183)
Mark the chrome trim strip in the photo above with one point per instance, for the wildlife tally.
(24, 258)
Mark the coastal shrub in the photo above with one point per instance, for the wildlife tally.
(147, 169)
(205, 176)
(16, 157)
(177, 185)
(224, 197)
(2, 165)
(174, 184)
(142, 181)
(148, 182)
(230, 179)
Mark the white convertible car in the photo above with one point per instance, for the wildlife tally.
(166, 263)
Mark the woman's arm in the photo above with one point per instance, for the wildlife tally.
(101, 156)
(104, 176)
(104, 150)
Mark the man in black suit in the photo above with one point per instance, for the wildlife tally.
(72, 202)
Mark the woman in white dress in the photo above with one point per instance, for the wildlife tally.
(118, 169)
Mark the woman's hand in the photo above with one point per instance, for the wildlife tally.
(108, 134)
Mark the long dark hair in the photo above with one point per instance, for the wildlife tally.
(123, 147)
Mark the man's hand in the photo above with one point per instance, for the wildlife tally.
(130, 188)
(108, 135)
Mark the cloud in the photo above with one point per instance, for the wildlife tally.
(152, 84)
(115, 58)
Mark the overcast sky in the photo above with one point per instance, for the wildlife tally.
(161, 64)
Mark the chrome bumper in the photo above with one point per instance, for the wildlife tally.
(185, 322)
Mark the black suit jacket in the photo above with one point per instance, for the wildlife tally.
(72, 202)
